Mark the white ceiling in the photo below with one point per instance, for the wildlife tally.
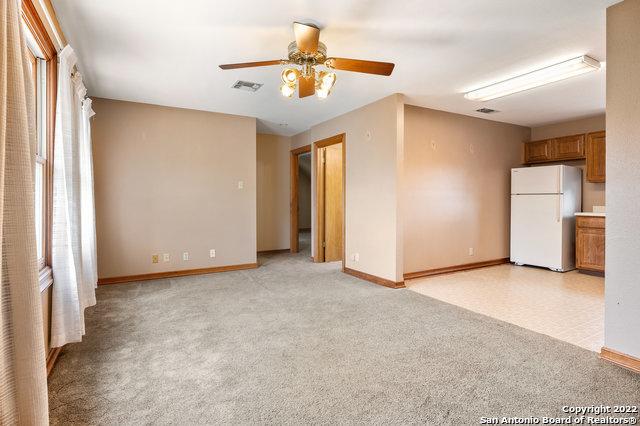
(167, 52)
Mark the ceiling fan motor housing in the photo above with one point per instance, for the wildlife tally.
(300, 58)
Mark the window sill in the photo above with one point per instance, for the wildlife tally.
(46, 278)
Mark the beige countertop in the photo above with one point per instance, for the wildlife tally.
(595, 214)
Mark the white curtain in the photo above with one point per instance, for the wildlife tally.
(23, 385)
(73, 240)
(88, 210)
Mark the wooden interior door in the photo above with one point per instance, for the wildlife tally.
(333, 202)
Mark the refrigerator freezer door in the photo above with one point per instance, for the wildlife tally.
(536, 230)
(536, 180)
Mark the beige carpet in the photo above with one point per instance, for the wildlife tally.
(295, 342)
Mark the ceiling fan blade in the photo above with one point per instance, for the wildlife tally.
(253, 64)
(307, 37)
(306, 86)
(357, 65)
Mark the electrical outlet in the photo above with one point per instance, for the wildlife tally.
(470, 251)
(212, 253)
(154, 258)
(185, 255)
(165, 257)
(355, 257)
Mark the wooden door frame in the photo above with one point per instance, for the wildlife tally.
(293, 196)
(319, 180)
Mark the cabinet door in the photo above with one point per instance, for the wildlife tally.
(569, 148)
(590, 244)
(538, 151)
(596, 157)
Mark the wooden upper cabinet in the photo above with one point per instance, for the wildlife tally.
(538, 151)
(569, 147)
(596, 157)
(565, 148)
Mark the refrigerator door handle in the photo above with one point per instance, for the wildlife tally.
(558, 208)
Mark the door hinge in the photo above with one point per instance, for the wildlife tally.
(324, 156)
(324, 244)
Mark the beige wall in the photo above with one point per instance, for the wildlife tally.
(304, 191)
(373, 159)
(571, 127)
(166, 181)
(273, 191)
(456, 187)
(301, 139)
(593, 194)
(622, 287)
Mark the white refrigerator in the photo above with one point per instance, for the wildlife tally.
(543, 202)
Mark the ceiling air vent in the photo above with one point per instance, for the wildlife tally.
(487, 110)
(249, 86)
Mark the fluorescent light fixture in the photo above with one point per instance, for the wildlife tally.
(550, 74)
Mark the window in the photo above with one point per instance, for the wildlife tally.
(43, 72)
(38, 72)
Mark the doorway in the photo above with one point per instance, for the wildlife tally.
(300, 199)
(304, 203)
(330, 195)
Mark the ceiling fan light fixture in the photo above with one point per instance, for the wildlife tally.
(326, 80)
(290, 76)
(322, 93)
(287, 90)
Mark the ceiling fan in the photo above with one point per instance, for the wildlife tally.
(308, 52)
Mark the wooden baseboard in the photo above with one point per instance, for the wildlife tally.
(274, 251)
(52, 357)
(172, 274)
(372, 278)
(455, 268)
(623, 360)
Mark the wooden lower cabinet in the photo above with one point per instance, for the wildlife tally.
(590, 243)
